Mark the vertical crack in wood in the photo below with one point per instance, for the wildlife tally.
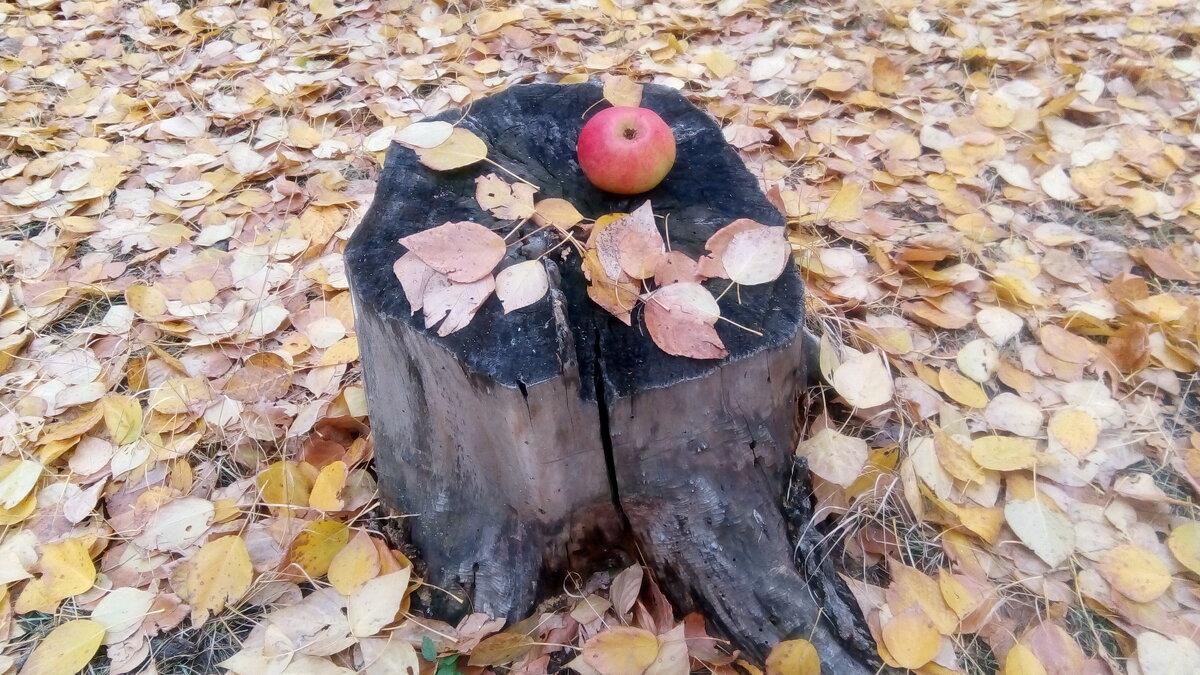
(610, 462)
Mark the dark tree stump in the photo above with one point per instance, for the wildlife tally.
(527, 444)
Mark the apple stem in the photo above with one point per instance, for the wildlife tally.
(489, 160)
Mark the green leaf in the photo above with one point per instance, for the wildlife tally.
(428, 649)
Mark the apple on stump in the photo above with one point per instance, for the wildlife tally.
(626, 149)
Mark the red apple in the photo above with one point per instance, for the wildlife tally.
(626, 150)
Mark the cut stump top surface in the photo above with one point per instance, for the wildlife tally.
(532, 130)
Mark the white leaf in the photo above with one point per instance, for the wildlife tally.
(376, 603)
(185, 126)
(176, 524)
(835, 457)
(424, 134)
(19, 478)
(522, 284)
(1047, 531)
(864, 381)
(756, 256)
(121, 610)
(1056, 183)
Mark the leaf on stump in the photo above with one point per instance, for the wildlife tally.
(414, 275)
(680, 319)
(711, 265)
(505, 201)
(463, 251)
(456, 303)
(522, 284)
(756, 256)
(462, 148)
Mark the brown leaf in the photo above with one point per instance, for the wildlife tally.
(680, 319)
(1164, 265)
(463, 251)
(456, 303)
(676, 266)
(1065, 345)
(264, 377)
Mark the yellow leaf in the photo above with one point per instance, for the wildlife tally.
(993, 111)
(1076, 429)
(17, 479)
(846, 205)
(1021, 661)
(178, 394)
(314, 548)
(342, 351)
(122, 418)
(66, 650)
(835, 81)
(623, 91)
(283, 485)
(559, 213)
(67, 570)
(327, 486)
(962, 389)
(1184, 542)
(1004, 453)
(718, 62)
(794, 657)
(323, 8)
(461, 149)
(1137, 573)
(622, 650)
(377, 603)
(886, 76)
(500, 648)
(958, 597)
(911, 639)
(19, 512)
(354, 565)
(219, 573)
(147, 302)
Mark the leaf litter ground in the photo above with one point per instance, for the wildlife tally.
(995, 207)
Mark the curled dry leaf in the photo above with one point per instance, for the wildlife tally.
(711, 265)
(522, 284)
(461, 148)
(680, 319)
(414, 275)
(455, 303)
(506, 201)
(756, 256)
(463, 251)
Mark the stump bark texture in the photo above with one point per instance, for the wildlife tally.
(530, 444)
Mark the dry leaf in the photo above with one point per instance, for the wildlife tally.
(680, 320)
(522, 284)
(1184, 543)
(962, 389)
(217, 574)
(1135, 572)
(376, 603)
(863, 380)
(836, 457)
(621, 650)
(355, 564)
(911, 639)
(756, 256)
(65, 650)
(505, 201)
(1004, 453)
(1047, 531)
(462, 148)
(620, 90)
(794, 657)
(455, 303)
(500, 649)
(424, 134)
(463, 251)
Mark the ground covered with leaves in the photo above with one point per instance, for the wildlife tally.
(995, 206)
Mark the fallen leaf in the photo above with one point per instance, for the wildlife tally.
(414, 276)
(911, 639)
(978, 360)
(1021, 661)
(620, 90)
(66, 650)
(377, 602)
(1135, 572)
(1184, 543)
(1004, 453)
(962, 389)
(1159, 655)
(1047, 531)
(794, 657)
(621, 650)
(834, 456)
(863, 380)
(680, 320)
(424, 134)
(454, 304)
(328, 486)
(500, 649)
(314, 548)
(355, 564)
(522, 284)
(264, 377)
(217, 574)
(461, 148)
(122, 418)
(17, 479)
(1075, 429)
(505, 201)
(463, 251)
(756, 256)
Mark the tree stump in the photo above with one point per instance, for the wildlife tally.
(529, 444)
